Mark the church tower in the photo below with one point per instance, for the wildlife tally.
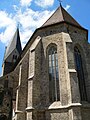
(12, 52)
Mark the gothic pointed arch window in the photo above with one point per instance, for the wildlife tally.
(54, 93)
(80, 74)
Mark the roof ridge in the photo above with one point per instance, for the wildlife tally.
(74, 21)
(60, 15)
(50, 16)
(61, 12)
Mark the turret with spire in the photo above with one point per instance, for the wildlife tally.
(12, 52)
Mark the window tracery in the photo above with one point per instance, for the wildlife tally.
(53, 74)
(80, 74)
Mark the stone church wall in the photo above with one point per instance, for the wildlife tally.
(31, 77)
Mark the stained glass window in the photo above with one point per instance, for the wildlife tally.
(53, 75)
(80, 74)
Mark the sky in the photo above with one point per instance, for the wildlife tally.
(31, 14)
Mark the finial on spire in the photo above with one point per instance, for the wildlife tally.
(60, 1)
(18, 25)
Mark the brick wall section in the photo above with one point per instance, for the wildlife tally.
(37, 75)
(85, 114)
(5, 98)
(78, 38)
(59, 115)
(22, 89)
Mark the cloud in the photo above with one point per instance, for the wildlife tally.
(33, 19)
(25, 2)
(15, 7)
(67, 7)
(9, 24)
(44, 3)
(28, 19)
(7, 35)
(5, 19)
(25, 35)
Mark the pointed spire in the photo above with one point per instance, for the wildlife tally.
(14, 44)
(61, 15)
(18, 45)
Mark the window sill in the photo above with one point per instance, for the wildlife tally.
(72, 70)
(57, 105)
(28, 109)
(30, 77)
(18, 111)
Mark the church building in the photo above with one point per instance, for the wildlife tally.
(50, 78)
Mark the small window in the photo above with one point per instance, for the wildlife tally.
(53, 75)
(14, 58)
(80, 74)
(1, 97)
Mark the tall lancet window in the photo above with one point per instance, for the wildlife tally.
(53, 75)
(80, 74)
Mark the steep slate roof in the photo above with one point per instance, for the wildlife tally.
(14, 44)
(60, 15)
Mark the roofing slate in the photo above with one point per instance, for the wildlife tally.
(60, 15)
